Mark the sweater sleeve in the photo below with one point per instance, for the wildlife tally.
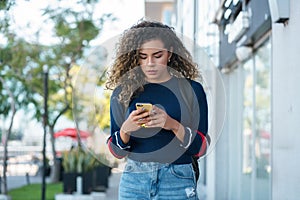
(196, 139)
(117, 117)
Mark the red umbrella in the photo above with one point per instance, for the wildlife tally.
(71, 132)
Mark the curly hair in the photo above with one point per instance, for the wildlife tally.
(125, 71)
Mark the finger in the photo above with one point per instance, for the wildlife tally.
(153, 123)
(144, 114)
(154, 107)
(138, 119)
(157, 109)
(141, 121)
(150, 118)
(138, 111)
(137, 115)
(156, 116)
(153, 112)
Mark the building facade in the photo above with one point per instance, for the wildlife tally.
(254, 48)
(160, 10)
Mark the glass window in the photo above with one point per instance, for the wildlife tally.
(247, 135)
(248, 117)
(256, 132)
(263, 121)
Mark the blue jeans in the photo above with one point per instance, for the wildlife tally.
(156, 181)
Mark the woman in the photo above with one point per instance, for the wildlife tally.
(153, 66)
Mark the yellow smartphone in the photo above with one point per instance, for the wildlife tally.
(146, 106)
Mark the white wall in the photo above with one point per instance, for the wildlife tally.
(286, 107)
(185, 14)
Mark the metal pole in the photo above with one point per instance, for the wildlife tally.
(45, 120)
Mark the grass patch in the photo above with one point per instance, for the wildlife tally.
(34, 191)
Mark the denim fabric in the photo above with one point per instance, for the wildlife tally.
(156, 181)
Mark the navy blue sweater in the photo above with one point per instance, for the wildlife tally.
(157, 144)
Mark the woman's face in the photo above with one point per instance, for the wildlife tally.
(153, 58)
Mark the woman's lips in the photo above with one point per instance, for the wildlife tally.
(151, 72)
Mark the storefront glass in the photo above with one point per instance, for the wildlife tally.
(263, 121)
(256, 137)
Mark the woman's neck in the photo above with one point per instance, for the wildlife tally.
(161, 80)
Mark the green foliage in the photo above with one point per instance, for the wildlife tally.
(88, 29)
(102, 108)
(6, 4)
(22, 62)
(79, 160)
(62, 28)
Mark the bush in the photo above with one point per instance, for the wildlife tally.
(78, 160)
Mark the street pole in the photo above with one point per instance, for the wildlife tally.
(45, 122)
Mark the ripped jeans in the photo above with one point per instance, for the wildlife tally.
(156, 181)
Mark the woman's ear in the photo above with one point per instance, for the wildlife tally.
(170, 53)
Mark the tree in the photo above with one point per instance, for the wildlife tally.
(13, 89)
(13, 86)
(6, 134)
(74, 29)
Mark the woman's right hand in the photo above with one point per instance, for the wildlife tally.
(134, 122)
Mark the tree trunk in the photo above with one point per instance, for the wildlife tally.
(55, 168)
(7, 134)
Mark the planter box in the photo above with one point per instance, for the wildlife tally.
(69, 182)
(100, 178)
(95, 180)
(87, 182)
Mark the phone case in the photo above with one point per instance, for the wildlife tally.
(146, 106)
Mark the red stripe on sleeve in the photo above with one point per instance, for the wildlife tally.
(203, 146)
(111, 150)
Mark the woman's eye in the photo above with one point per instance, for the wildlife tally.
(143, 57)
(158, 56)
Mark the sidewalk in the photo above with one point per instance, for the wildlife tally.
(113, 189)
(110, 194)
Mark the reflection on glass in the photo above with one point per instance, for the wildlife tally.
(257, 125)
(248, 117)
(263, 111)
(263, 122)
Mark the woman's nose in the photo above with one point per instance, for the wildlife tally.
(150, 61)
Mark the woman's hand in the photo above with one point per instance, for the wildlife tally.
(134, 122)
(150, 119)
(159, 118)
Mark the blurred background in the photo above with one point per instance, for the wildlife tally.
(53, 61)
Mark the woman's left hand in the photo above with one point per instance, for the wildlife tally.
(159, 118)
